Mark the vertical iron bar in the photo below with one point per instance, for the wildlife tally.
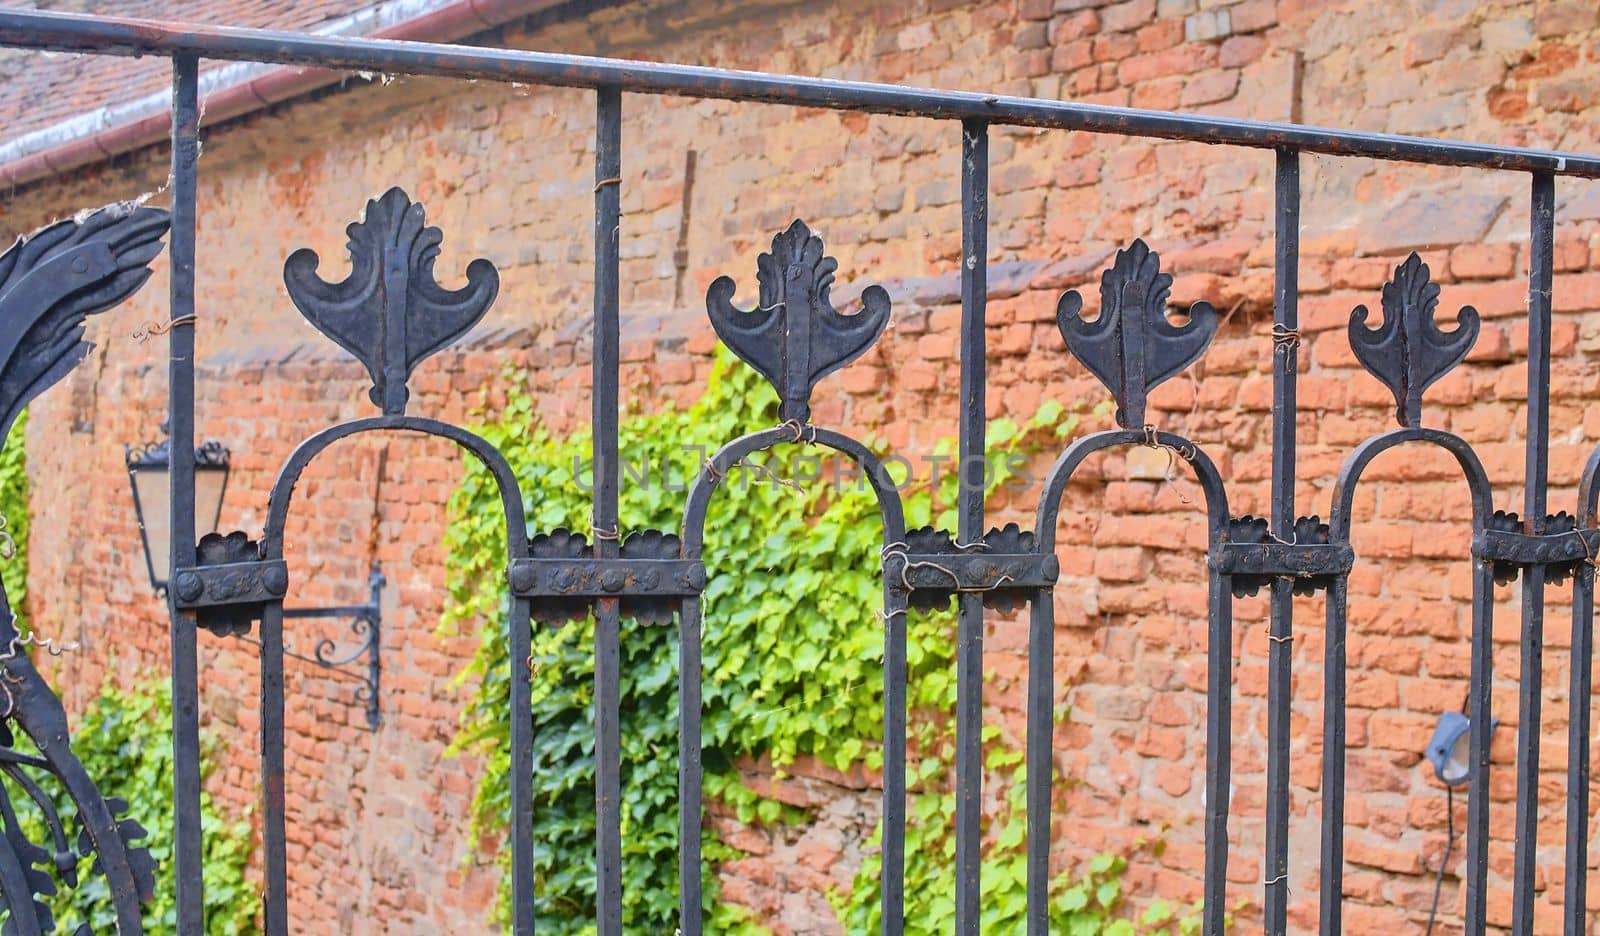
(1577, 873)
(1541, 253)
(894, 760)
(1041, 766)
(520, 640)
(1219, 749)
(969, 629)
(607, 634)
(187, 845)
(1480, 697)
(1333, 753)
(1285, 362)
(689, 769)
(275, 862)
(374, 653)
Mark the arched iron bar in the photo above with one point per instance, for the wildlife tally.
(1579, 718)
(272, 653)
(1219, 678)
(894, 667)
(1333, 707)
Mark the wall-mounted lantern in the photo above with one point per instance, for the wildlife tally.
(149, 467)
(149, 474)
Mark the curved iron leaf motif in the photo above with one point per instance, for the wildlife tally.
(793, 336)
(390, 312)
(1409, 351)
(1132, 346)
(49, 284)
(52, 280)
(104, 830)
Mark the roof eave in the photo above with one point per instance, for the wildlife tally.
(237, 89)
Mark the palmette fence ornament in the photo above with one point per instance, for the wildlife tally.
(1408, 351)
(391, 286)
(50, 283)
(793, 336)
(1132, 346)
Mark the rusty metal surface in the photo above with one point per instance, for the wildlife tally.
(122, 36)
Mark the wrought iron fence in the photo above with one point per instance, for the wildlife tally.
(391, 313)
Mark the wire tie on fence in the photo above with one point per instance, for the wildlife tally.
(1286, 638)
(896, 549)
(765, 472)
(150, 329)
(798, 430)
(613, 535)
(614, 180)
(1588, 553)
(776, 305)
(905, 573)
(1284, 338)
(1186, 451)
(1280, 879)
(32, 639)
(977, 544)
(712, 471)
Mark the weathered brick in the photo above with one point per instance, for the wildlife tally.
(1208, 25)
(1211, 87)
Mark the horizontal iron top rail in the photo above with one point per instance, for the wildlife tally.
(70, 32)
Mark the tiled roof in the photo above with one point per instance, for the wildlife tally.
(44, 88)
(62, 111)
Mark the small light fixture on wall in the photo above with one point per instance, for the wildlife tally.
(1450, 753)
(149, 468)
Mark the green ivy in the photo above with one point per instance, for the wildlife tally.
(792, 652)
(14, 510)
(123, 741)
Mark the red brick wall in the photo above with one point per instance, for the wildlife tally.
(505, 171)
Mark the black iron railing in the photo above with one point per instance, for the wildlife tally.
(391, 313)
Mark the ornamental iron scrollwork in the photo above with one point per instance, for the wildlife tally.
(564, 577)
(390, 312)
(1549, 547)
(50, 283)
(52, 280)
(1005, 567)
(1133, 346)
(1409, 351)
(1308, 532)
(794, 337)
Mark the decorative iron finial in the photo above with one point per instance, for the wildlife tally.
(1409, 351)
(1132, 346)
(793, 336)
(52, 280)
(390, 312)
